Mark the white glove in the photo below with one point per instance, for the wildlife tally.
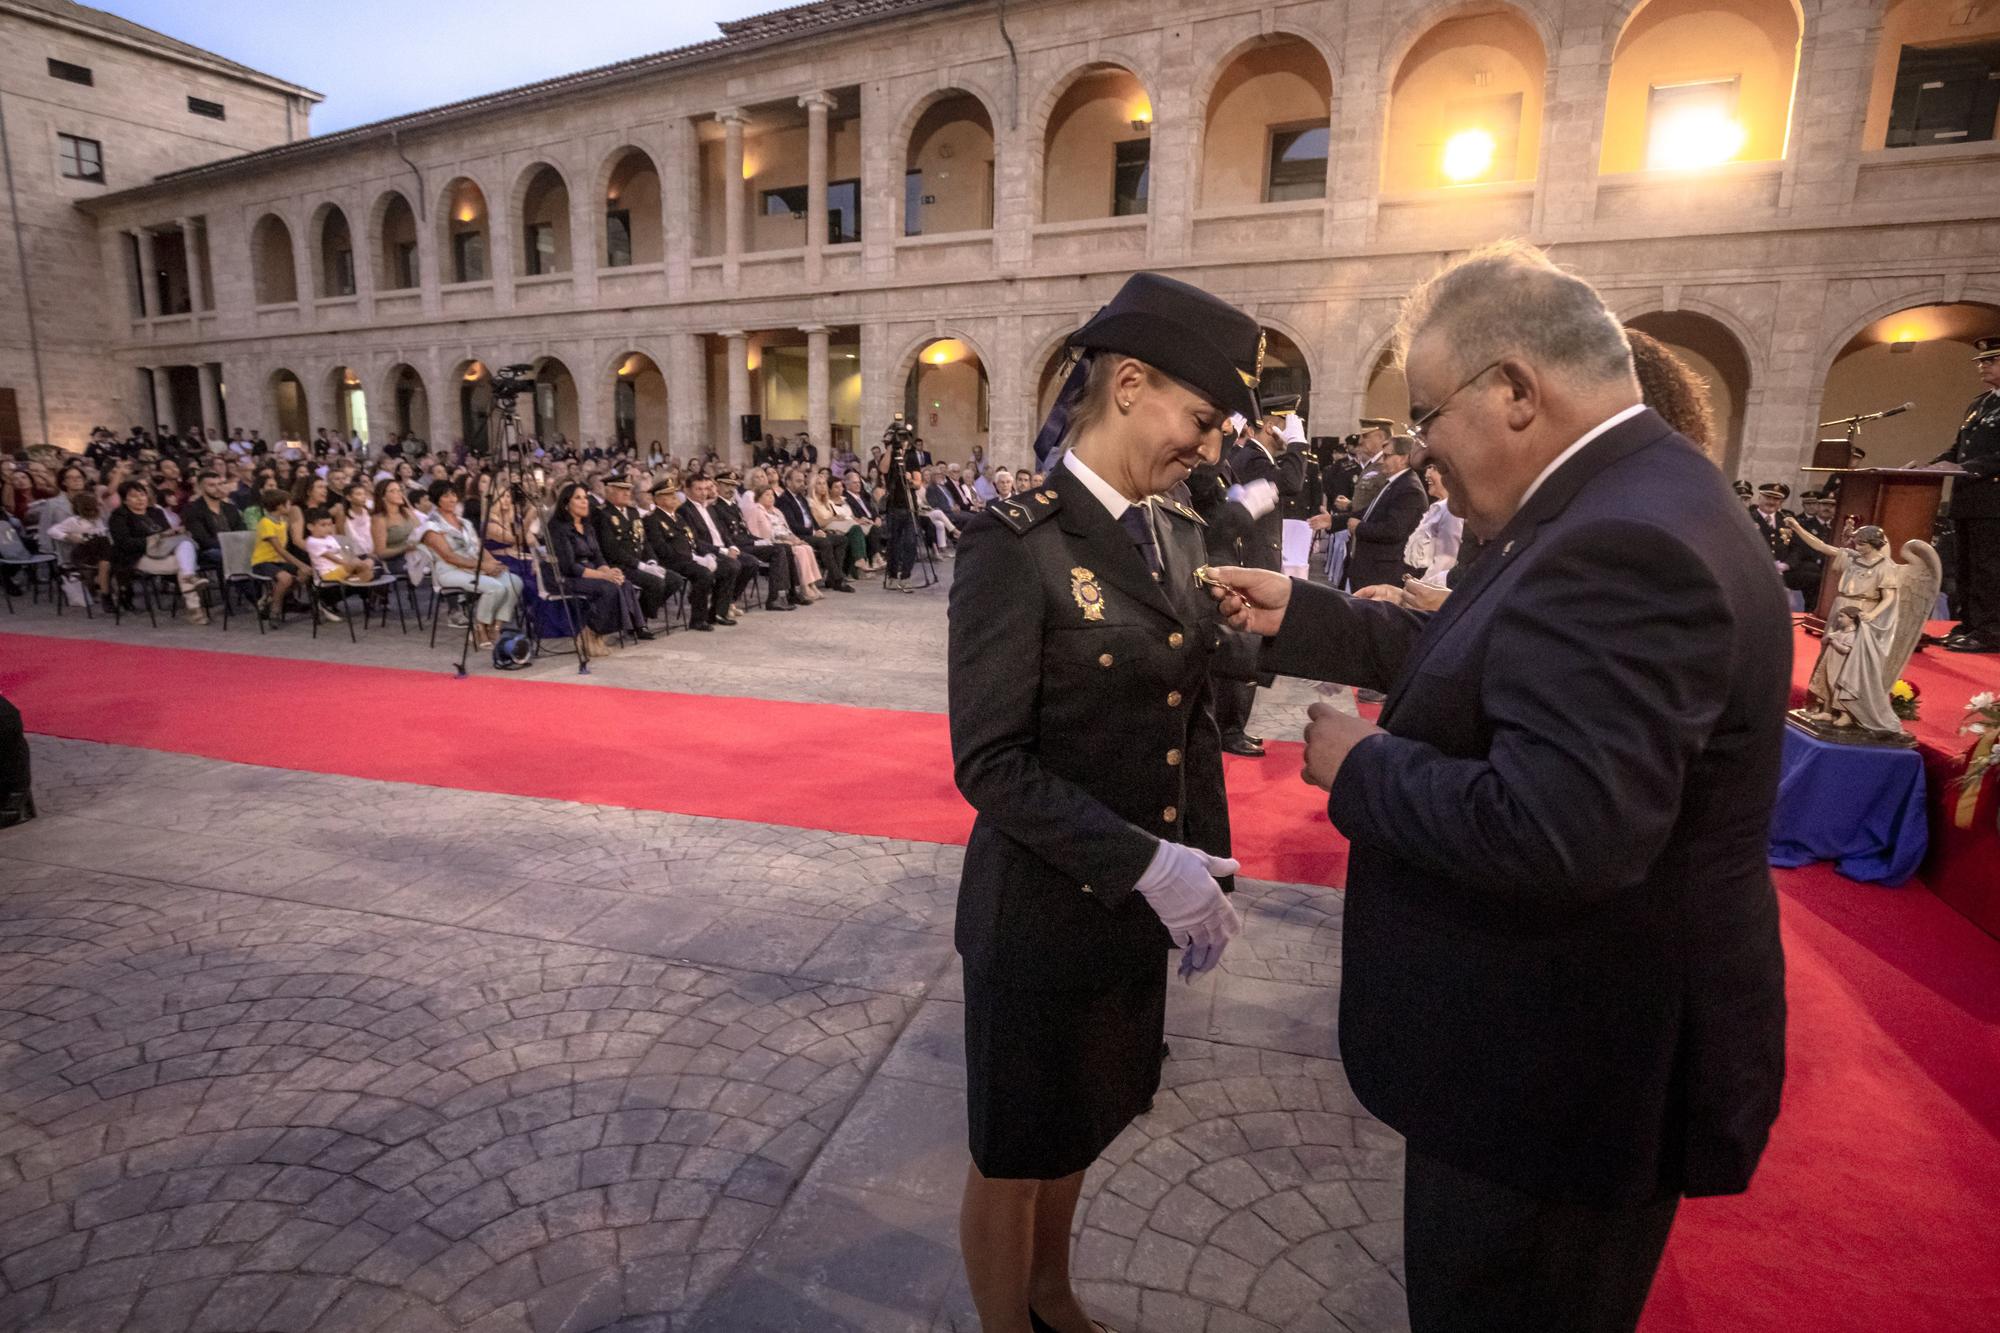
(1259, 497)
(1180, 886)
(707, 562)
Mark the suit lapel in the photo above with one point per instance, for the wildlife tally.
(1083, 517)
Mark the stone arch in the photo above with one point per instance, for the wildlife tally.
(646, 236)
(472, 385)
(555, 412)
(1307, 349)
(1035, 132)
(540, 197)
(331, 238)
(1412, 155)
(286, 405)
(1627, 150)
(1705, 341)
(649, 404)
(1415, 25)
(947, 447)
(1208, 174)
(465, 209)
(347, 400)
(1937, 376)
(912, 119)
(406, 400)
(1049, 354)
(274, 275)
(392, 222)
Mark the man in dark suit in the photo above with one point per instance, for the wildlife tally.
(836, 560)
(855, 496)
(1562, 979)
(715, 579)
(942, 496)
(1378, 534)
(717, 529)
(624, 542)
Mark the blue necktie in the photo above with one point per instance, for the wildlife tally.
(1133, 520)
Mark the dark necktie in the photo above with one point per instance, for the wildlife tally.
(1133, 520)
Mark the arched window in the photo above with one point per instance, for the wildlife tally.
(462, 226)
(336, 253)
(1268, 134)
(274, 279)
(544, 223)
(1465, 107)
(948, 171)
(632, 221)
(1697, 83)
(396, 255)
(1098, 150)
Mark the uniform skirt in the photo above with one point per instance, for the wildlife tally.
(1053, 1076)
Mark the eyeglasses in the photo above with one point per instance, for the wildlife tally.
(1423, 423)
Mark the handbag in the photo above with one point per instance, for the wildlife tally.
(161, 545)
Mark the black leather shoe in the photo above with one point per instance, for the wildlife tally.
(843, 587)
(780, 606)
(704, 627)
(1238, 743)
(1971, 643)
(644, 635)
(722, 620)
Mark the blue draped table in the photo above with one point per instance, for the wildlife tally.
(1859, 806)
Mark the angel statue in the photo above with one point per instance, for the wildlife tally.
(1871, 630)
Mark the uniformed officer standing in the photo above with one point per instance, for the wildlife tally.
(623, 537)
(1265, 474)
(1082, 733)
(1769, 514)
(1975, 511)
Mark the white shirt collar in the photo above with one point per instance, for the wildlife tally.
(1107, 495)
(1576, 449)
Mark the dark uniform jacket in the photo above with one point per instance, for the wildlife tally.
(1082, 732)
(1260, 542)
(619, 533)
(1561, 968)
(1977, 450)
(697, 530)
(1771, 527)
(669, 541)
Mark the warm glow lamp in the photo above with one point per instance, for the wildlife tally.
(1468, 155)
(1693, 137)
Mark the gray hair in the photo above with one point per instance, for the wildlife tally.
(1509, 299)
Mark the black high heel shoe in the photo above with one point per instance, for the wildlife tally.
(1041, 1325)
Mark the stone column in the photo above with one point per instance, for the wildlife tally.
(819, 406)
(1573, 130)
(687, 395)
(1176, 151)
(149, 276)
(881, 180)
(680, 187)
(732, 193)
(817, 106)
(1830, 109)
(211, 397)
(586, 235)
(163, 402)
(880, 399)
(198, 294)
(142, 396)
(305, 271)
(738, 358)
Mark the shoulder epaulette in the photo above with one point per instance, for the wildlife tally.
(1183, 509)
(1026, 510)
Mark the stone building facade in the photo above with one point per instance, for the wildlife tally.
(851, 208)
(91, 104)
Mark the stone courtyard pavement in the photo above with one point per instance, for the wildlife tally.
(288, 1051)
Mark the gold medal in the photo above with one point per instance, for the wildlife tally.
(1089, 597)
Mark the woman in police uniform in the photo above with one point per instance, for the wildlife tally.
(1084, 736)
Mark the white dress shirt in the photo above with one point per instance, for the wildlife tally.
(1576, 449)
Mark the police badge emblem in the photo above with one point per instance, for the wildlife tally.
(1089, 597)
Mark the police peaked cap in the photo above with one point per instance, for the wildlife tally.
(1985, 349)
(1200, 340)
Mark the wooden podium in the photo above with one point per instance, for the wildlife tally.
(1903, 502)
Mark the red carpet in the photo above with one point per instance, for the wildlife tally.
(690, 754)
(1878, 1202)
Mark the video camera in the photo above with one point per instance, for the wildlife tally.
(513, 381)
(899, 432)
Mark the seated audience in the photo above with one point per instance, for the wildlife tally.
(146, 540)
(463, 565)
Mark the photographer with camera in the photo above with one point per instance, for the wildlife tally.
(899, 503)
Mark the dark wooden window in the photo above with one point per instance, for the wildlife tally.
(63, 69)
(1945, 95)
(201, 106)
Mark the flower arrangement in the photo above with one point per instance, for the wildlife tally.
(1982, 720)
(1903, 698)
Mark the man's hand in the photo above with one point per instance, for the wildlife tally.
(1253, 600)
(1320, 522)
(1381, 592)
(1330, 737)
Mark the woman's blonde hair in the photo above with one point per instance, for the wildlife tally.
(1095, 402)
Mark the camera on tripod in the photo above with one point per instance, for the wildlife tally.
(898, 432)
(513, 381)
